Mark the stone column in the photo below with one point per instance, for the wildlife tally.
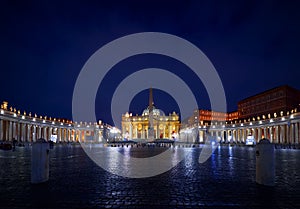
(6, 130)
(72, 137)
(136, 131)
(44, 132)
(73, 132)
(39, 135)
(271, 134)
(84, 133)
(292, 138)
(255, 134)
(146, 133)
(69, 134)
(287, 133)
(65, 134)
(282, 134)
(297, 133)
(58, 135)
(19, 131)
(243, 134)
(143, 131)
(229, 133)
(10, 132)
(265, 132)
(79, 135)
(95, 138)
(34, 135)
(13, 130)
(130, 131)
(62, 136)
(23, 132)
(276, 134)
(201, 138)
(28, 133)
(259, 134)
(20, 128)
(1, 129)
(49, 133)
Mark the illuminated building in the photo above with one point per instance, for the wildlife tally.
(207, 117)
(27, 127)
(276, 101)
(140, 126)
(272, 114)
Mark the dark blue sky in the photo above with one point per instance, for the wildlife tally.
(254, 46)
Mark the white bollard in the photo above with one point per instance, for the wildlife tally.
(265, 163)
(40, 161)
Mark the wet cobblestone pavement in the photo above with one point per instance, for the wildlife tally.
(226, 180)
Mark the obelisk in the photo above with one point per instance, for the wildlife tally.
(151, 126)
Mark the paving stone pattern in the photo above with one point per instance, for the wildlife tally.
(226, 180)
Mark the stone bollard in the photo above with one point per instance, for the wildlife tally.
(265, 163)
(40, 161)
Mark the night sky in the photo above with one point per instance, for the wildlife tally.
(254, 46)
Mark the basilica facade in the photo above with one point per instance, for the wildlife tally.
(153, 120)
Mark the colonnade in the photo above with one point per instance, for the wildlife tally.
(24, 128)
(282, 130)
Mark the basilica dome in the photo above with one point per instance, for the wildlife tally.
(156, 112)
